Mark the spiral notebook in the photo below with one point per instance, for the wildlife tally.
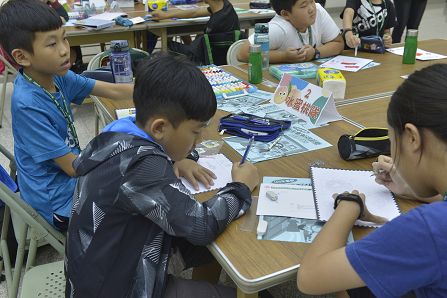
(325, 182)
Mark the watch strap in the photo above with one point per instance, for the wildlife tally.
(352, 198)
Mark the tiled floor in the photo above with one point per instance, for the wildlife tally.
(433, 26)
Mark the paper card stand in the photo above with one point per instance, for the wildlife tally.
(305, 100)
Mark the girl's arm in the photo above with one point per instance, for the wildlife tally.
(325, 267)
(352, 41)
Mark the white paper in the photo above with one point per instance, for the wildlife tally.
(121, 113)
(326, 182)
(420, 54)
(346, 63)
(293, 201)
(220, 165)
(199, 19)
(137, 20)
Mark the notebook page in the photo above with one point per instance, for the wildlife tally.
(220, 165)
(326, 182)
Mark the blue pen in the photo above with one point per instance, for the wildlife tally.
(247, 150)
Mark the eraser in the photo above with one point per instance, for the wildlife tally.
(273, 196)
(262, 227)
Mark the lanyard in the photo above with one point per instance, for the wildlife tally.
(376, 18)
(309, 29)
(64, 110)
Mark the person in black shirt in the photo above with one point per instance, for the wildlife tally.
(223, 18)
(368, 17)
(409, 14)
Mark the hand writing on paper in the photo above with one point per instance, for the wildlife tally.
(245, 173)
(366, 216)
(388, 176)
(194, 173)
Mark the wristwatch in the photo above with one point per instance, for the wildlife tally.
(317, 53)
(352, 198)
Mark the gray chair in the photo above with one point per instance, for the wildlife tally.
(8, 76)
(31, 230)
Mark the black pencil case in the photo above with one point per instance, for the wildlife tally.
(368, 142)
(248, 125)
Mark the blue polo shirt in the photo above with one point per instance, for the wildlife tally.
(41, 134)
(406, 254)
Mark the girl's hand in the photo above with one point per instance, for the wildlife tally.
(352, 40)
(387, 40)
(387, 175)
(366, 216)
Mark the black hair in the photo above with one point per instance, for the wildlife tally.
(279, 5)
(173, 87)
(422, 101)
(20, 19)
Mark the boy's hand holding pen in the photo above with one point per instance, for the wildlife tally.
(244, 171)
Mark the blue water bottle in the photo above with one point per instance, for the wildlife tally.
(120, 61)
(262, 39)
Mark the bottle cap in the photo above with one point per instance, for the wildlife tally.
(255, 48)
(119, 45)
(412, 32)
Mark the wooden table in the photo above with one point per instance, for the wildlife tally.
(378, 81)
(164, 28)
(255, 265)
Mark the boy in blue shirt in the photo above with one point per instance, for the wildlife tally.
(130, 210)
(45, 139)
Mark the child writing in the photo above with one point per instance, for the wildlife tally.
(300, 31)
(45, 139)
(223, 18)
(130, 208)
(406, 254)
(368, 17)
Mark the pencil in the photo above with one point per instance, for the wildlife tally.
(244, 157)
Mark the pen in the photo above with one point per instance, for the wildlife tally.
(247, 150)
(356, 48)
(275, 142)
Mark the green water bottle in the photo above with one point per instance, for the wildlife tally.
(411, 46)
(255, 64)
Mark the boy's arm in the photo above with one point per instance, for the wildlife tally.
(66, 163)
(332, 48)
(275, 56)
(180, 14)
(152, 189)
(113, 91)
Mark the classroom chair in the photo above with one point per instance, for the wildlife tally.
(217, 45)
(101, 60)
(233, 51)
(44, 281)
(7, 76)
(31, 230)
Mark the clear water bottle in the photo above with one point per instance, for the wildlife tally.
(255, 64)
(120, 61)
(262, 39)
(410, 48)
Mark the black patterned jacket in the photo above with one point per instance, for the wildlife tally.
(127, 206)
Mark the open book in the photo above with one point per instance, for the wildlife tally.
(326, 182)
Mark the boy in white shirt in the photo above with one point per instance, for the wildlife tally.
(300, 31)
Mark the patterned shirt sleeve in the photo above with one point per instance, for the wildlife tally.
(152, 189)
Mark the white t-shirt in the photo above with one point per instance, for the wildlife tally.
(283, 35)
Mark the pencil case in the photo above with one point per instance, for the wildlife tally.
(368, 142)
(372, 44)
(248, 125)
